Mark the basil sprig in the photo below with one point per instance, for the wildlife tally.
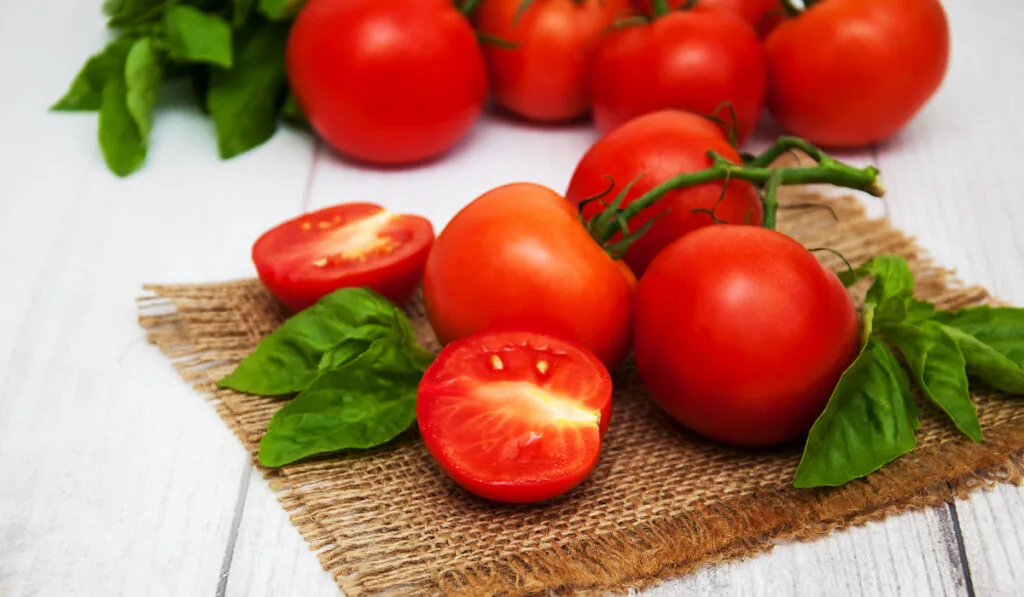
(355, 363)
(871, 417)
(233, 50)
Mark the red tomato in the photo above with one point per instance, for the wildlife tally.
(386, 81)
(763, 15)
(518, 257)
(351, 245)
(741, 334)
(514, 416)
(848, 73)
(544, 78)
(693, 60)
(661, 145)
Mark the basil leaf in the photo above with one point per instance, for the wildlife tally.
(194, 36)
(940, 370)
(365, 403)
(892, 289)
(918, 311)
(869, 421)
(988, 364)
(280, 10)
(291, 111)
(244, 101)
(86, 91)
(123, 146)
(288, 360)
(128, 13)
(240, 12)
(1002, 328)
(142, 74)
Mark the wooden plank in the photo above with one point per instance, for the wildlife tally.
(115, 478)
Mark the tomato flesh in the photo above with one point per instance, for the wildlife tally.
(349, 245)
(515, 416)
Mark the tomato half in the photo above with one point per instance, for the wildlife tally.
(763, 15)
(350, 245)
(693, 60)
(848, 73)
(517, 256)
(742, 334)
(386, 81)
(515, 416)
(543, 78)
(660, 146)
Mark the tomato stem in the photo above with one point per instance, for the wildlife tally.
(659, 8)
(468, 6)
(827, 170)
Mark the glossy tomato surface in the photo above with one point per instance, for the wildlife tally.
(661, 145)
(741, 334)
(692, 60)
(762, 15)
(386, 81)
(515, 416)
(848, 73)
(349, 245)
(543, 78)
(518, 256)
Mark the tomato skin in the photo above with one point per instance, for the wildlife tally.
(692, 60)
(848, 73)
(544, 78)
(741, 334)
(386, 81)
(518, 256)
(308, 257)
(481, 422)
(661, 145)
(762, 15)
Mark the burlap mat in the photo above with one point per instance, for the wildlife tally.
(661, 502)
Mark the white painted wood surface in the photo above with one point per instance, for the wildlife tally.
(116, 479)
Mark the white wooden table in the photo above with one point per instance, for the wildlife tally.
(117, 479)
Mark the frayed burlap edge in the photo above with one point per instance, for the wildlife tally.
(635, 557)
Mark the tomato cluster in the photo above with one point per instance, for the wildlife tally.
(662, 244)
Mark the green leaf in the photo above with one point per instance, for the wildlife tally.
(364, 403)
(1002, 328)
(131, 13)
(195, 36)
(123, 145)
(240, 12)
(292, 112)
(280, 10)
(86, 91)
(142, 74)
(940, 371)
(869, 421)
(988, 364)
(918, 311)
(244, 101)
(289, 359)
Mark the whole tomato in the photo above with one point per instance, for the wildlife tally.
(543, 78)
(693, 59)
(386, 81)
(661, 145)
(848, 73)
(518, 257)
(741, 334)
(763, 15)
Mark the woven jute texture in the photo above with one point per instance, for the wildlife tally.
(661, 503)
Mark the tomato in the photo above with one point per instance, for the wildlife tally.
(741, 334)
(661, 145)
(848, 73)
(763, 15)
(543, 78)
(693, 60)
(515, 416)
(518, 256)
(350, 245)
(386, 81)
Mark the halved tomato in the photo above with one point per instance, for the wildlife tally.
(348, 245)
(515, 416)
